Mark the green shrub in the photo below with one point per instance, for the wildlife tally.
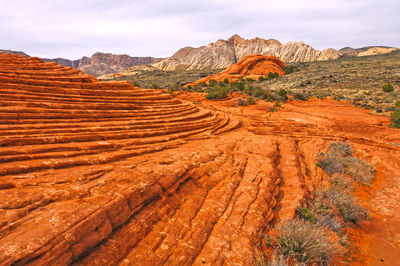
(259, 93)
(242, 102)
(203, 84)
(136, 83)
(272, 75)
(301, 96)
(282, 93)
(249, 80)
(155, 86)
(261, 78)
(290, 69)
(395, 117)
(389, 108)
(251, 101)
(387, 87)
(238, 85)
(305, 214)
(226, 81)
(305, 242)
(217, 93)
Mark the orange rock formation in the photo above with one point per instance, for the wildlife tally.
(251, 66)
(97, 173)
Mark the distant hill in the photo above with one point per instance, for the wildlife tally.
(13, 52)
(99, 63)
(224, 53)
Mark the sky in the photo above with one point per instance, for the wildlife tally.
(75, 28)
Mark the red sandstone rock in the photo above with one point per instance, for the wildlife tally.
(97, 173)
(251, 66)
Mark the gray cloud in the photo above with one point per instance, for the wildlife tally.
(73, 28)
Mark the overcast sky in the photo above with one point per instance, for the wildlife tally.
(74, 28)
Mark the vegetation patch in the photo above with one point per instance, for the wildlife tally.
(339, 160)
(320, 227)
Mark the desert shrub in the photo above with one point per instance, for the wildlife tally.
(212, 82)
(346, 205)
(136, 83)
(261, 259)
(251, 101)
(395, 117)
(341, 149)
(387, 87)
(261, 78)
(272, 75)
(260, 93)
(359, 170)
(290, 69)
(389, 108)
(338, 97)
(397, 104)
(301, 96)
(248, 88)
(305, 242)
(320, 210)
(203, 84)
(339, 160)
(249, 80)
(226, 81)
(242, 102)
(217, 93)
(282, 94)
(238, 85)
(340, 182)
(305, 214)
(155, 86)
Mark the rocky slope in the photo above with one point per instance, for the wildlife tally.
(103, 173)
(104, 63)
(251, 66)
(366, 51)
(224, 53)
(12, 52)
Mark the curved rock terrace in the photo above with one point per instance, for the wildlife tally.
(251, 66)
(104, 173)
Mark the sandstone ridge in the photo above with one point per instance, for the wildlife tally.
(224, 53)
(251, 66)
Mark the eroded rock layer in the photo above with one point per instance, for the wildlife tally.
(251, 66)
(96, 173)
(61, 134)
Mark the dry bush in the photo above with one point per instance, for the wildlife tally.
(359, 170)
(339, 161)
(261, 259)
(305, 242)
(346, 205)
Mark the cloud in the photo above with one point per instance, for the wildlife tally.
(73, 28)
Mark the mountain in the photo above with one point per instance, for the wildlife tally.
(368, 50)
(13, 52)
(107, 63)
(99, 63)
(224, 53)
(104, 63)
